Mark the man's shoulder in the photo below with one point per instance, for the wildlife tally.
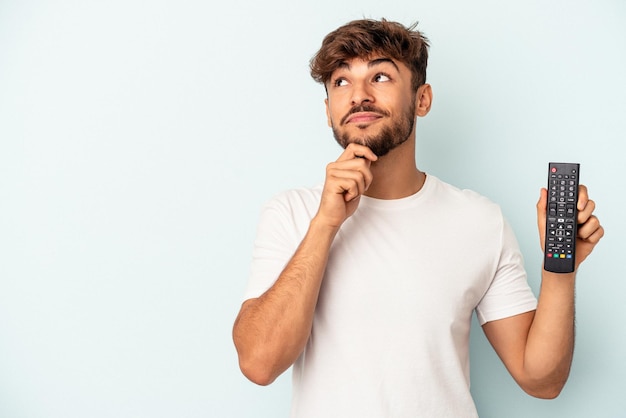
(303, 200)
(451, 194)
(455, 191)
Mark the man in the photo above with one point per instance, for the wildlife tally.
(367, 285)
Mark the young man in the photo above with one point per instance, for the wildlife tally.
(367, 284)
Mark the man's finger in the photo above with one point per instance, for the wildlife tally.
(357, 151)
(542, 204)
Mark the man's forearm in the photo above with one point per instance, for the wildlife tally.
(272, 330)
(550, 344)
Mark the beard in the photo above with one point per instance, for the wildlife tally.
(389, 137)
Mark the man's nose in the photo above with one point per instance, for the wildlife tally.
(361, 93)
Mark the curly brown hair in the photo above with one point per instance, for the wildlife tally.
(367, 37)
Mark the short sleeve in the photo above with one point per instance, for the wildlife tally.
(283, 223)
(509, 293)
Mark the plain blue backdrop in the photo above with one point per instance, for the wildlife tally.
(138, 140)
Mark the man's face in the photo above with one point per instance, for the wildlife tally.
(370, 102)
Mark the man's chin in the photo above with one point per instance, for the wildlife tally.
(377, 144)
(357, 141)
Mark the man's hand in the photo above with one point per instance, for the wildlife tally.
(537, 346)
(346, 180)
(272, 330)
(589, 229)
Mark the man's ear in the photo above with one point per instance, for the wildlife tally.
(424, 99)
(330, 124)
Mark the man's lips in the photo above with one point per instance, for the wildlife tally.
(363, 117)
(363, 113)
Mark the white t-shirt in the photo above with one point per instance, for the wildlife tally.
(390, 335)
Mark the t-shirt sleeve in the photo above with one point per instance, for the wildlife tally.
(276, 240)
(509, 293)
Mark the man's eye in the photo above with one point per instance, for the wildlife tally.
(340, 82)
(379, 78)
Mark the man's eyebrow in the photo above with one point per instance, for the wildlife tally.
(379, 61)
(343, 65)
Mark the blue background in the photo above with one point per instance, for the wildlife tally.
(138, 140)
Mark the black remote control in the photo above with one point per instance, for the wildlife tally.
(561, 224)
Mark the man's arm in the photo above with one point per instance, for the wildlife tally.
(537, 347)
(271, 331)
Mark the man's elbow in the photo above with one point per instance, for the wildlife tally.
(549, 390)
(255, 364)
(256, 373)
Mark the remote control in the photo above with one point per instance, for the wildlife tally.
(561, 224)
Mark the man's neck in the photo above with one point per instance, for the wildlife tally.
(396, 175)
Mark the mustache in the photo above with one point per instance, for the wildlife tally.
(364, 108)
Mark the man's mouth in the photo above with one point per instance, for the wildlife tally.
(363, 114)
(363, 117)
